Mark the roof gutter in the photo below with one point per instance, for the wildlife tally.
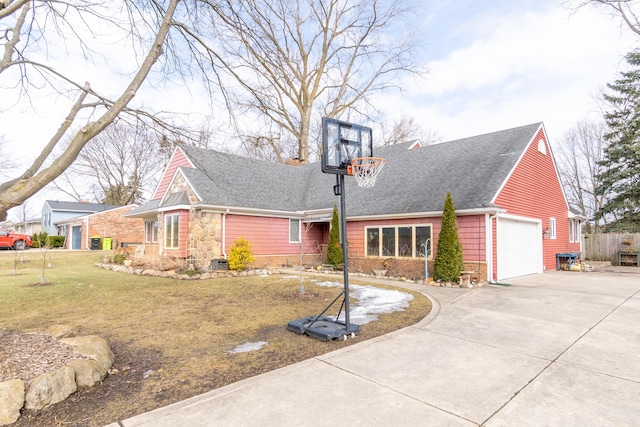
(249, 211)
(461, 212)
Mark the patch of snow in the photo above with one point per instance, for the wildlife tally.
(248, 346)
(372, 301)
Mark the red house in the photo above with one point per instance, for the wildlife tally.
(513, 217)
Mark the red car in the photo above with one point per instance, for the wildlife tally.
(11, 240)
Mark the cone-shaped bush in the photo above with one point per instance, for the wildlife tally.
(449, 262)
(240, 255)
(334, 249)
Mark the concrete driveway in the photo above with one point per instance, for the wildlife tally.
(557, 349)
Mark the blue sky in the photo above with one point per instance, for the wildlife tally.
(493, 64)
(500, 64)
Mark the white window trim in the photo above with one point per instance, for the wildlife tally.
(299, 230)
(552, 228)
(166, 221)
(414, 247)
(153, 238)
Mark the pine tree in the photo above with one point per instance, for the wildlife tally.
(334, 249)
(620, 178)
(449, 262)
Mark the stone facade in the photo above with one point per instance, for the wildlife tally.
(205, 236)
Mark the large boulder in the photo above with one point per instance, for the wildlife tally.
(62, 331)
(51, 388)
(88, 372)
(11, 401)
(93, 347)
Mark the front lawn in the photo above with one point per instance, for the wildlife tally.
(171, 338)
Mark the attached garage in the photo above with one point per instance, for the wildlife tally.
(519, 247)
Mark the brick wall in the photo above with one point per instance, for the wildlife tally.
(113, 224)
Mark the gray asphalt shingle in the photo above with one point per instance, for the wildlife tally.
(417, 180)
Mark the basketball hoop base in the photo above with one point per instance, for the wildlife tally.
(365, 170)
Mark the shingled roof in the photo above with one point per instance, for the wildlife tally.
(417, 180)
(56, 205)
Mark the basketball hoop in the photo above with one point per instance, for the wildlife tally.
(366, 170)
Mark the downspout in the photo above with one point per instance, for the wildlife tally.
(224, 233)
(86, 237)
(489, 232)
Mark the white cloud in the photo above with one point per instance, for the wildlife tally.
(522, 66)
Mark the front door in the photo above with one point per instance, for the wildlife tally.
(76, 237)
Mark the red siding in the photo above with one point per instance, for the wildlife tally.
(270, 236)
(183, 235)
(533, 190)
(177, 159)
(471, 230)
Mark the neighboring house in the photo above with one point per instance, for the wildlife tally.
(55, 211)
(111, 224)
(29, 227)
(512, 214)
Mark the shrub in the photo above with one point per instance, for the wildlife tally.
(240, 255)
(56, 241)
(120, 256)
(449, 262)
(334, 248)
(40, 239)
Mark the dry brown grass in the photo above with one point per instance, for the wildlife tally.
(171, 338)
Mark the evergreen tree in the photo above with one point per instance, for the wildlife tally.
(449, 262)
(334, 249)
(620, 178)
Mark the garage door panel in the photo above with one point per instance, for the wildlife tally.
(519, 247)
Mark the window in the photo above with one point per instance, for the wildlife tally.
(401, 241)
(151, 231)
(574, 230)
(542, 147)
(552, 228)
(294, 231)
(171, 230)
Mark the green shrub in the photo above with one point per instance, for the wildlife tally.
(334, 248)
(449, 262)
(40, 240)
(240, 255)
(56, 241)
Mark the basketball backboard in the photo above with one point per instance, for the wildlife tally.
(342, 142)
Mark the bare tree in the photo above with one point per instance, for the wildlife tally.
(30, 30)
(407, 129)
(294, 61)
(120, 164)
(579, 154)
(7, 162)
(625, 9)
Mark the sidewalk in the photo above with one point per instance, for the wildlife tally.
(562, 348)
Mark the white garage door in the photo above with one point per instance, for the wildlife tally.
(519, 247)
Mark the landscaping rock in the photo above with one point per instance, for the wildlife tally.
(11, 401)
(88, 372)
(51, 388)
(62, 331)
(94, 347)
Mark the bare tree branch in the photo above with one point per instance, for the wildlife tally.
(294, 60)
(14, 192)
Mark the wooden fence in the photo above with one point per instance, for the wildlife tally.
(606, 246)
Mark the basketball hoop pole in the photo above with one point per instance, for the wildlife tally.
(345, 255)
